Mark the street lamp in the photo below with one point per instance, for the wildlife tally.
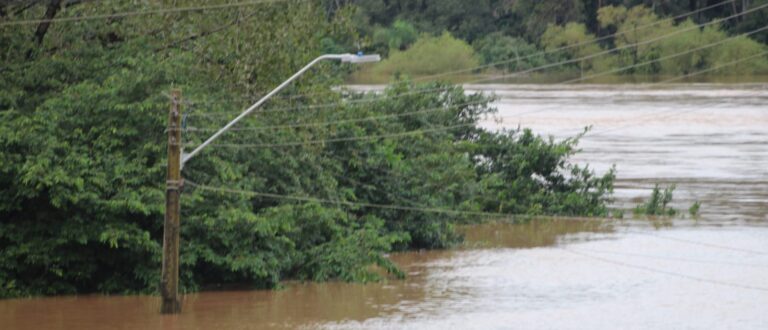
(170, 273)
(344, 58)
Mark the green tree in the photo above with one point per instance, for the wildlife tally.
(399, 36)
(738, 48)
(631, 29)
(681, 42)
(754, 20)
(526, 174)
(430, 55)
(575, 37)
(516, 53)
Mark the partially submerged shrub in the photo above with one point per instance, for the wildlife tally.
(658, 204)
(694, 209)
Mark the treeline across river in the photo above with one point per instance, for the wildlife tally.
(424, 38)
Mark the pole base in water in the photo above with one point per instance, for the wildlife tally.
(170, 306)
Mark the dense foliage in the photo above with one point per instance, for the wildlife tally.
(528, 19)
(512, 35)
(420, 59)
(83, 109)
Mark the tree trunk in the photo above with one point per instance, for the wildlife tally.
(50, 13)
(599, 5)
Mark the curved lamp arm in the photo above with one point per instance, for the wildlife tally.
(345, 58)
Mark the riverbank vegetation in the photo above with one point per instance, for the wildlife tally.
(658, 204)
(309, 182)
(515, 36)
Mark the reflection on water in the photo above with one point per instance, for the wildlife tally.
(533, 234)
(706, 273)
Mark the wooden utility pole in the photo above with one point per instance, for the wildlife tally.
(169, 283)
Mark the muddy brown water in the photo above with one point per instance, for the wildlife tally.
(711, 272)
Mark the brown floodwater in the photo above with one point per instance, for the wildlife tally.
(708, 272)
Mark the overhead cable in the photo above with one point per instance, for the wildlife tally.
(140, 12)
(665, 272)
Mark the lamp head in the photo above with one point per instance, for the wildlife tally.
(360, 58)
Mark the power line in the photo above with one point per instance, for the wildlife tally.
(347, 139)
(510, 216)
(658, 257)
(666, 113)
(346, 121)
(715, 67)
(141, 12)
(656, 115)
(665, 272)
(710, 245)
(332, 104)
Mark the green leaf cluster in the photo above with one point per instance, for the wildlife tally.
(526, 174)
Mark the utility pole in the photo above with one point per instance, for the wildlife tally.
(169, 282)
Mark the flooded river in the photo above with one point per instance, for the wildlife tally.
(710, 272)
(710, 140)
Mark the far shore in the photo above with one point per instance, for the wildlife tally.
(365, 78)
